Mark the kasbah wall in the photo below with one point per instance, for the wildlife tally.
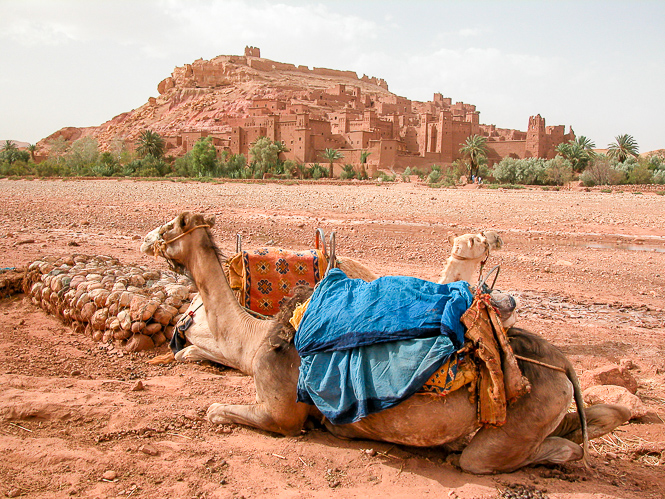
(396, 131)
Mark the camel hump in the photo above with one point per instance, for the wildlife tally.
(284, 332)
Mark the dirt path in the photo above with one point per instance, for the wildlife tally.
(589, 268)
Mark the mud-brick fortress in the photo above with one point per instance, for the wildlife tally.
(309, 110)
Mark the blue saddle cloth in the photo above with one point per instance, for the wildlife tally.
(365, 347)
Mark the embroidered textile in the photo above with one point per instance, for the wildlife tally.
(264, 277)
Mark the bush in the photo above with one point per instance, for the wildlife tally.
(348, 173)
(602, 172)
(384, 177)
(417, 171)
(640, 174)
(435, 175)
(658, 177)
(558, 171)
(316, 171)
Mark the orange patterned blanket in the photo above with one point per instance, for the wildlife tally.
(262, 278)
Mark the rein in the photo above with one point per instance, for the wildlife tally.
(533, 361)
(485, 256)
(165, 242)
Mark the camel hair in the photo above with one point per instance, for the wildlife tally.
(537, 429)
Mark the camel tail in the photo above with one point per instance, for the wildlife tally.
(579, 403)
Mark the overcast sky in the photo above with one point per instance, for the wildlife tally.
(598, 66)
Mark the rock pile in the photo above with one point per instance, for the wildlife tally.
(135, 307)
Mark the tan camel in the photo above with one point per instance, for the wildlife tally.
(203, 344)
(468, 252)
(531, 434)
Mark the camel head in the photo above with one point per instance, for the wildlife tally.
(168, 240)
(493, 238)
(469, 246)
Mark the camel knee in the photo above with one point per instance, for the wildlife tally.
(556, 450)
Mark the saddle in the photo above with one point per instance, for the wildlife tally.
(263, 278)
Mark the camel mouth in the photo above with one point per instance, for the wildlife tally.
(148, 245)
(494, 239)
(149, 241)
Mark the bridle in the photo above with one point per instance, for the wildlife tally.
(160, 244)
(486, 255)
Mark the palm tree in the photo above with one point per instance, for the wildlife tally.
(476, 150)
(624, 146)
(363, 160)
(331, 155)
(9, 149)
(585, 143)
(150, 142)
(32, 148)
(578, 152)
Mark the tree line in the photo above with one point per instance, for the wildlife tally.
(576, 159)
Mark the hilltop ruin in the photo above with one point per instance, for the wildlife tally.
(237, 99)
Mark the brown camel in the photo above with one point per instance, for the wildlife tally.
(531, 434)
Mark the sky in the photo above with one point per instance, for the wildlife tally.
(598, 66)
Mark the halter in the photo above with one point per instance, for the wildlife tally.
(159, 246)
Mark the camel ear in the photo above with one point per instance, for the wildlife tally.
(209, 220)
(182, 219)
(472, 241)
(451, 239)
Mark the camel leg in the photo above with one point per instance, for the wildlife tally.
(276, 408)
(601, 419)
(259, 416)
(192, 353)
(523, 438)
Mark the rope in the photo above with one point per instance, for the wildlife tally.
(533, 361)
(159, 246)
(185, 233)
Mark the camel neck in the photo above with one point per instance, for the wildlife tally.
(230, 325)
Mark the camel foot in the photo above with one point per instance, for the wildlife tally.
(601, 419)
(166, 358)
(557, 450)
(216, 414)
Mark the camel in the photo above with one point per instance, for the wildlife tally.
(533, 432)
(468, 251)
(203, 344)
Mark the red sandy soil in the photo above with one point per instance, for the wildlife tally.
(589, 268)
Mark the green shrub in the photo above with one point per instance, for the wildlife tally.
(348, 172)
(316, 171)
(417, 171)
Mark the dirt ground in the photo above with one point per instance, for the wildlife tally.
(589, 268)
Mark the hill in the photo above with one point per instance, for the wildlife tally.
(236, 99)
